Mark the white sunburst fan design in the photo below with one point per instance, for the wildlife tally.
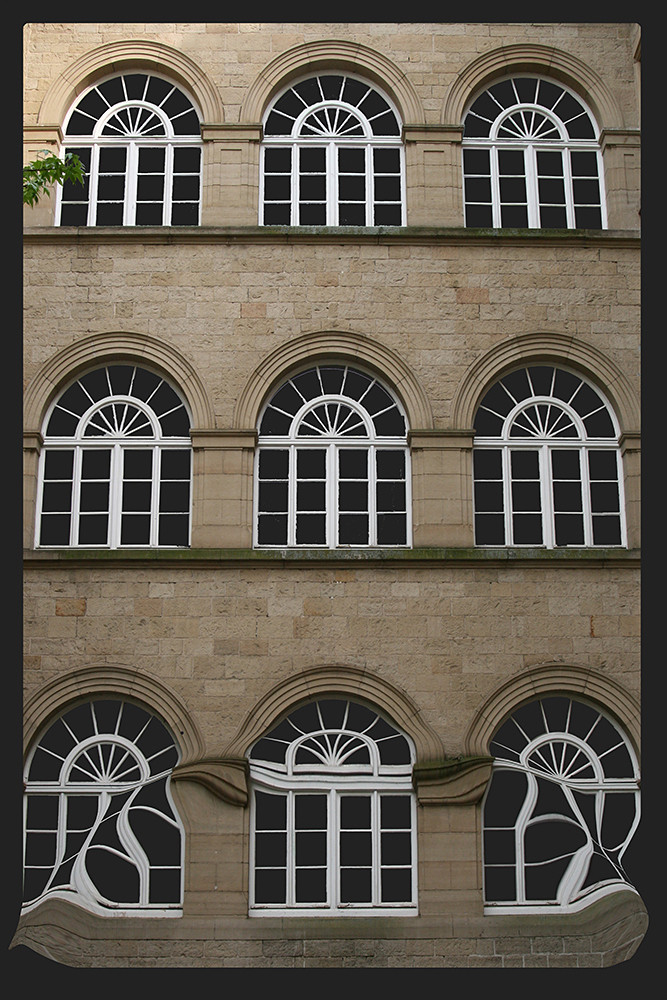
(333, 813)
(139, 139)
(116, 465)
(562, 806)
(100, 824)
(332, 462)
(332, 155)
(531, 158)
(546, 462)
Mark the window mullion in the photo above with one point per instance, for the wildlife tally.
(168, 184)
(372, 495)
(586, 496)
(376, 894)
(93, 184)
(295, 217)
(333, 849)
(507, 495)
(331, 181)
(156, 473)
(495, 188)
(370, 185)
(546, 487)
(532, 187)
(115, 496)
(290, 887)
(131, 181)
(569, 189)
(76, 495)
(332, 487)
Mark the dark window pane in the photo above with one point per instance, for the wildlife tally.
(553, 218)
(499, 884)
(270, 811)
(489, 529)
(272, 529)
(353, 529)
(184, 215)
(569, 529)
(387, 215)
(311, 885)
(351, 215)
(135, 529)
(273, 464)
(588, 218)
(273, 497)
(55, 529)
(479, 216)
(514, 216)
(109, 215)
(355, 885)
(310, 812)
(391, 529)
(312, 215)
(527, 529)
(478, 189)
(270, 886)
(93, 529)
(602, 464)
(488, 464)
(396, 885)
(606, 530)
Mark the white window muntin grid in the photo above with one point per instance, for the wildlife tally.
(331, 147)
(331, 489)
(379, 785)
(530, 151)
(544, 450)
(81, 887)
(131, 174)
(115, 489)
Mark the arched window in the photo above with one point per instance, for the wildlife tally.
(561, 807)
(100, 825)
(332, 462)
(139, 139)
(333, 813)
(332, 155)
(115, 467)
(546, 463)
(531, 158)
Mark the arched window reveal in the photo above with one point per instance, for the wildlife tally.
(332, 462)
(116, 464)
(138, 137)
(546, 463)
(332, 156)
(100, 825)
(531, 158)
(561, 808)
(333, 813)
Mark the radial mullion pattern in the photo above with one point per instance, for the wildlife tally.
(540, 477)
(101, 829)
(561, 807)
(332, 155)
(332, 465)
(531, 158)
(332, 813)
(139, 139)
(116, 463)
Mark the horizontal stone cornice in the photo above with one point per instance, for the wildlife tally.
(232, 131)
(459, 781)
(630, 137)
(432, 133)
(438, 439)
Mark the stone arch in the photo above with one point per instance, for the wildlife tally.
(331, 345)
(552, 348)
(314, 57)
(553, 678)
(132, 347)
(113, 680)
(124, 56)
(352, 682)
(530, 58)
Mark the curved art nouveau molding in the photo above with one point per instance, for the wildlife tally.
(116, 681)
(553, 678)
(313, 57)
(332, 345)
(102, 348)
(341, 681)
(550, 348)
(224, 778)
(529, 58)
(127, 55)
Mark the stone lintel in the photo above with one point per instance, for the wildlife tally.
(458, 781)
(225, 439)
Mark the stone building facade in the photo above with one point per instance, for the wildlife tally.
(456, 590)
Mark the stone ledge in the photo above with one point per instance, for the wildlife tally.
(565, 558)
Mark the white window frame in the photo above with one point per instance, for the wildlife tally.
(295, 142)
(565, 145)
(118, 446)
(96, 142)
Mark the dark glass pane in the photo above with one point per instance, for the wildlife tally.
(174, 498)
(489, 529)
(479, 216)
(527, 529)
(40, 849)
(390, 496)
(588, 218)
(391, 529)
(355, 812)
(270, 850)
(270, 811)
(395, 812)
(525, 496)
(94, 497)
(478, 189)
(115, 878)
(310, 496)
(351, 215)
(514, 216)
(311, 885)
(551, 190)
(277, 188)
(273, 497)
(386, 161)
(135, 529)
(355, 885)
(137, 496)
(137, 464)
(602, 465)
(569, 529)
(512, 189)
(390, 464)
(311, 464)
(272, 529)
(93, 529)
(73, 215)
(352, 496)
(278, 160)
(510, 161)
(277, 215)
(270, 886)
(565, 465)
(42, 812)
(387, 215)
(553, 218)
(353, 529)
(165, 886)
(173, 529)
(387, 189)
(312, 160)
(499, 884)
(476, 161)
(273, 464)
(606, 530)
(396, 885)
(56, 497)
(567, 497)
(310, 811)
(148, 215)
(184, 215)
(109, 215)
(549, 164)
(312, 215)
(96, 464)
(160, 840)
(487, 464)
(311, 848)
(504, 800)
(396, 848)
(55, 529)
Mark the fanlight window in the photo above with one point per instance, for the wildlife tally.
(100, 825)
(531, 159)
(332, 155)
(561, 808)
(547, 467)
(139, 139)
(332, 462)
(333, 813)
(115, 468)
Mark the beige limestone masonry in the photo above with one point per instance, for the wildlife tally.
(446, 640)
